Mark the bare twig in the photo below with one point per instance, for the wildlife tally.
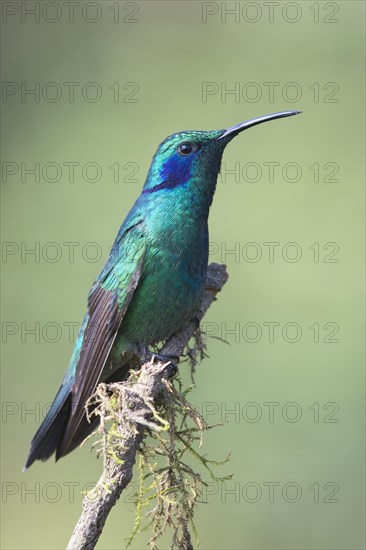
(136, 411)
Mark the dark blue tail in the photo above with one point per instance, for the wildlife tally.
(52, 429)
(53, 436)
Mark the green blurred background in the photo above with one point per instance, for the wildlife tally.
(168, 51)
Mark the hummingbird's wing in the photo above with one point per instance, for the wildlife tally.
(64, 425)
(108, 302)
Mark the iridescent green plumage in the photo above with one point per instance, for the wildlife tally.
(152, 282)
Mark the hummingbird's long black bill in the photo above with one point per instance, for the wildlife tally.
(235, 130)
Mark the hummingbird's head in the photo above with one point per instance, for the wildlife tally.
(194, 157)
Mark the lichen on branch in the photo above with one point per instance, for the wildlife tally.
(149, 417)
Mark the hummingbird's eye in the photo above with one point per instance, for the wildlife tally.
(185, 148)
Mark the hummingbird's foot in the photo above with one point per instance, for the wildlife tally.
(171, 359)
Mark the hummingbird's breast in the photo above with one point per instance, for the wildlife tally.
(172, 282)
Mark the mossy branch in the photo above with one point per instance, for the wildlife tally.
(136, 408)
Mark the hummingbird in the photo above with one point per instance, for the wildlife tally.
(151, 284)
